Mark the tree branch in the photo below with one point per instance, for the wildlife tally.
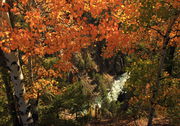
(158, 31)
(175, 36)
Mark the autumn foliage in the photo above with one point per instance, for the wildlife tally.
(62, 28)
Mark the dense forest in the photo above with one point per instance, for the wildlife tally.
(89, 62)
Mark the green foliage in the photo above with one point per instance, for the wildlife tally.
(114, 108)
(176, 64)
(170, 98)
(141, 84)
(49, 62)
(141, 72)
(84, 61)
(142, 78)
(149, 10)
(72, 100)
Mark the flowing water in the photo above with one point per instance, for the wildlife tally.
(117, 87)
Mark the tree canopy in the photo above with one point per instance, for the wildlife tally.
(68, 41)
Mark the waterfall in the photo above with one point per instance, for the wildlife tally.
(117, 87)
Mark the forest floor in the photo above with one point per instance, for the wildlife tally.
(160, 121)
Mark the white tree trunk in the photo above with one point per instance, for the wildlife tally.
(13, 64)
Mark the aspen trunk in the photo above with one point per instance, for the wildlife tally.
(19, 90)
(30, 67)
(11, 100)
(9, 91)
(16, 76)
(33, 102)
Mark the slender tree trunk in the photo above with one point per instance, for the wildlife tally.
(19, 90)
(157, 85)
(30, 67)
(33, 102)
(9, 92)
(11, 101)
(16, 76)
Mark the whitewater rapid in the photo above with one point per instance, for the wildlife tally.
(117, 87)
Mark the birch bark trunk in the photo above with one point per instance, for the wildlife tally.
(9, 91)
(16, 75)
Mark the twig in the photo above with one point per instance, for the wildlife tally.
(158, 31)
(175, 36)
